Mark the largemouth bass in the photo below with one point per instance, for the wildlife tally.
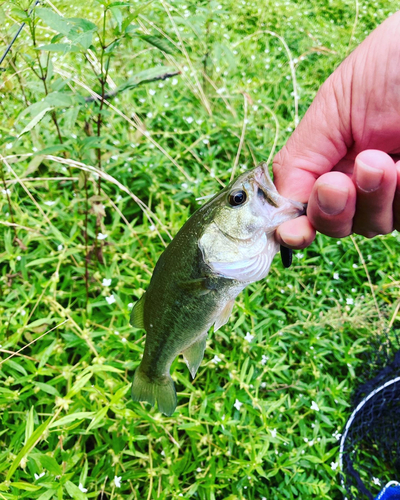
(224, 246)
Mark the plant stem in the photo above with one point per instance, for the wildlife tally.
(8, 200)
(86, 242)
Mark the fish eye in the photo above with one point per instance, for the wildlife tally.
(237, 197)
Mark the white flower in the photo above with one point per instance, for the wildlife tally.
(59, 248)
(84, 490)
(355, 266)
(198, 469)
(150, 115)
(216, 359)
(335, 276)
(9, 145)
(221, 90)
(117, 481)
(334, 465)
(189, 119)
(264, 359)
(130, 305)
(206, 141)
(299, 255)
(110, 300)
(49, 203)
(336, 435)
(314, 406)
(249, 337)
(6, 191)
(237, 404)
(376, 481)
(152, 92)
(106, 282)
(273, 432)
(23, 312)
(124, 339)
(174, 81)
(350, 301)
(263, 385)
(102, 236)
(38, 476)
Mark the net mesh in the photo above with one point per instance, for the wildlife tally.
(370, 447)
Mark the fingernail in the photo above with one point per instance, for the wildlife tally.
(332, 200)
(292, 239)
(368, 178)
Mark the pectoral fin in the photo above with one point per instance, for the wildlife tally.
(195, 287)
(223, 318)
(194, 354)
(137, 313)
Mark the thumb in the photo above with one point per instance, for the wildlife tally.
(320, 141)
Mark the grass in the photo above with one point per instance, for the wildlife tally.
(78, 245)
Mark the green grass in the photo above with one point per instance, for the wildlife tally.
(65, 409)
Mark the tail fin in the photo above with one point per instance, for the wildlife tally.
(160, 389)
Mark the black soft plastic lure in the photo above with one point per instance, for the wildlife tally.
(286, 256)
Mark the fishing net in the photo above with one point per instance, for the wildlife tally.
(370, 443)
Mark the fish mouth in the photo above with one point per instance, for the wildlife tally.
(264, 182)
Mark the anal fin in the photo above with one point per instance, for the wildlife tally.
(194, 354)
(137, 319)
(223, 318)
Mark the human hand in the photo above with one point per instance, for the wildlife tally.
(341, 157)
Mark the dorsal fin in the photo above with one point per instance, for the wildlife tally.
(137, 319)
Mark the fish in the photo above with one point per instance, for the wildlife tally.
(228, 243)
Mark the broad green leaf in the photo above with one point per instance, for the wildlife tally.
(56, 22)
(83, 24)
(160, 43)
(74, 491)
(44, 355)
(36, 435)
(47, 495)
(119, 394)
(35, 121)
(22, 485)
(147, 76)
(50, 464)
(71, 418)
(78, 30)
(39, 262)
(69, 118)
(16, 366)
(47, 388)
(98, 417)
(79, 385)
(60, 47)
(128, 19)
(84, 472)
(30, 425)
(59, 99)
(117, 15)
(39, 322)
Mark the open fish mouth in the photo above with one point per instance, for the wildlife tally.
(272, 197)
